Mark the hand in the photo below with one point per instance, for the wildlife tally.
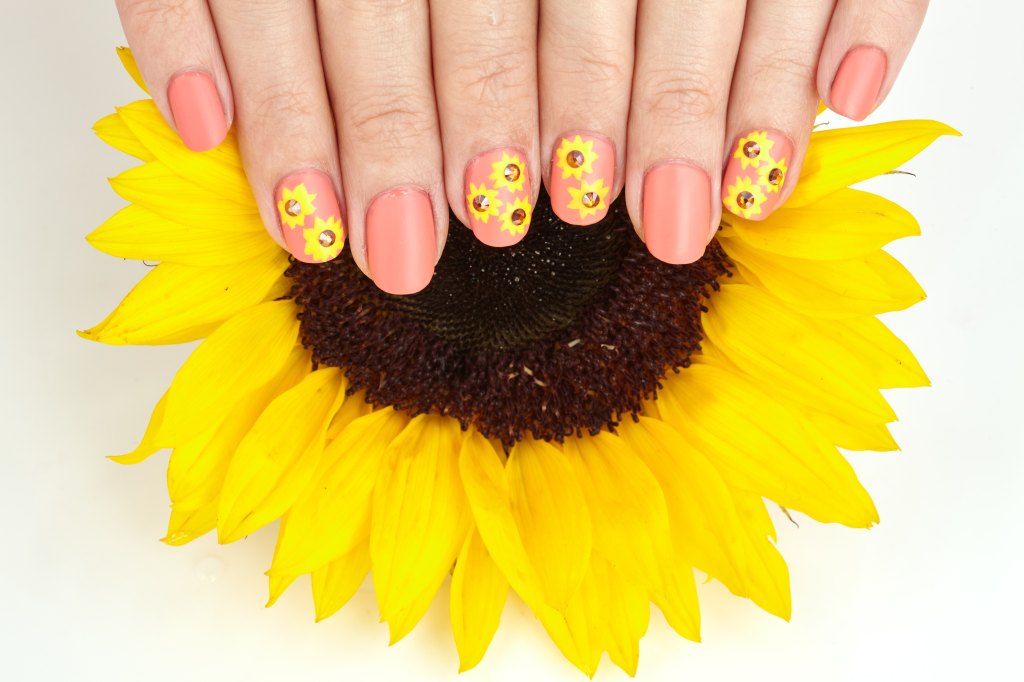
(384, 111)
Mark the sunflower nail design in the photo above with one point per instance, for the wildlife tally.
(310, 217)
(582, 172)
(756, 173)
(295, 204)
(498, 184)
(325, 240)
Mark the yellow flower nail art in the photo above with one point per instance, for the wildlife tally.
(482, 201)
(576, 157)
(508, 172)
(771, 174)
(745, 197)
(325, 240)
(517, 215)
(753, 149)
(294, 205)
(589, 197)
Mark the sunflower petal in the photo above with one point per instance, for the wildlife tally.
(136, 232)
(760, 445)
(336, 583)
(839, 158)
(149, 443)
(112, 130)
(420, 518)
(188, 523)
(128, 62)
(851, 434)
(881, 356)
(178, 303)
(279, 455)
(478, 593)
(626, 617)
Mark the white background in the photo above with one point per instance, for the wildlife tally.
(934, 592)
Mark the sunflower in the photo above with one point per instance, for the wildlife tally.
(566, 418)
(576, 157)
(588, 197)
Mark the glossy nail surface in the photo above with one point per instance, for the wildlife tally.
(197, 110)
(497, 189)
(400, 240)
(582, 173)
(310, 216)
(756, 173)
(676, 212)
(858, 82)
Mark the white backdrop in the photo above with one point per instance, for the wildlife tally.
(934, 592)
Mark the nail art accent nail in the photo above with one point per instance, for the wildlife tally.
(310, 217)
(858, 82)
(582, 174)
(676, 212)
(400, 242)
(498, 197)
(197, 110)
(756, 173)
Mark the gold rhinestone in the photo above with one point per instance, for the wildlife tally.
(775, 176)
(575, 158)
(591, 199)
(511, 172)
(745, 199)
(751, 150)
(481, 203)
(518, 216)
(327, 238)
(292, 207)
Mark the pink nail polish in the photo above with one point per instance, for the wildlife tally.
(676, 212)
(400, 243)
(582, 174)
(310, 216)
(197, 110)
(497, 186)
(756, 173)
(858, 82)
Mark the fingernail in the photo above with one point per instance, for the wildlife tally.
(400, 240)
(858, 82)
(197, 110)
(755, 174)
(676, 212)
(310, 216)
(582, 173)
(497, 187)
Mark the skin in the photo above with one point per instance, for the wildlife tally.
(380, 94)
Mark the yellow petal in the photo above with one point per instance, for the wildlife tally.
(478, 593)
(420, 517)
(279, 455)
(278, 585)
(551, 514)
(149, 444)
(112, 130)
(354, 407)
(336, 583)
(188, 523)
(880, 355)
(243, 354)
(846, 224)
(856, 287)
(786, 351)
(760, 445)
(128, 62)
(136, 232)
(332, 517)
(851, 434)
(839, 158)
(178, 303)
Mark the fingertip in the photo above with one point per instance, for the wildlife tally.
(196, 107)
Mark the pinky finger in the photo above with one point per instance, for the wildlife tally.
(175, 45)
(866, 45)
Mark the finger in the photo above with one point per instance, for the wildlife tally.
(586, 69)
(377, 58)
(684, 63)
(772, 104)
(865, 48)
(486, 87)
(285, 129)
(176, 48)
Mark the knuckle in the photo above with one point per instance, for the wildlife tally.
(792, 63)
(282, 99)
(602, 68)
(159, 14)
(493, 80)
(390, 117)
(682, 95)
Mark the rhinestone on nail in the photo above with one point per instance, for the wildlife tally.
(575, 158)
(591, 199)
(327, 238)
(745, 199)
(512, 172)
(292, 207)
(775, 176)
(751, 150)
(481, 203)
(518, 216)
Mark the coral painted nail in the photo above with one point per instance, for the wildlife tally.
(676, 212)
(310, 216)
(858, 82)
(582, 173)
(497, 185)
(400, 243)
(197, 110)
(756, 173)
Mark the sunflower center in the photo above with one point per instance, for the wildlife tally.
(567, 332)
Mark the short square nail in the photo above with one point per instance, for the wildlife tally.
(756, 172)
(582, 174)
(858, 82)
(310, 217)
(676, 212)
(400, 242)
(197, 110)
(497, 188)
